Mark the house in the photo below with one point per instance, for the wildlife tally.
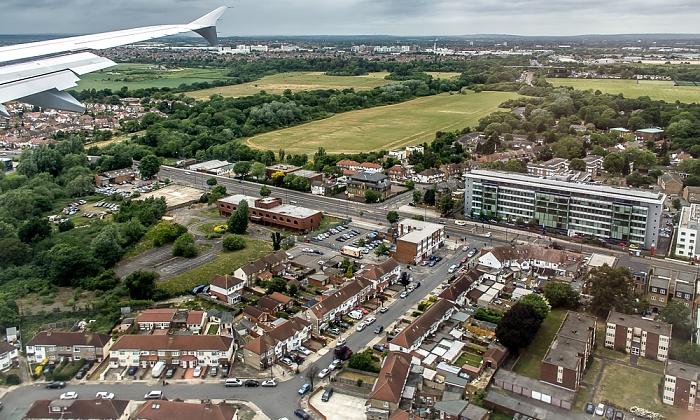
(179, 410)
(265, 350)
(382, 275)
(97, 409)
(270, 211)
(658, 292)
(567, 357)
(452, 170)
(8, 355)
(276, 302)
(348, 164)
(370, 167)
(594, 164)
(337, 303)
(257, 315)
(495, 355)
(226, 288)
(563, 263)
(429, 176)
(413, 335)
(692, 194)
(457, 291)
(418, 240)
(361, 182)
(167, 318)
(685, 292)
(671, 183)
(638, 336)
(327, 188)
(549, 168)
(388, 388)
(397, 173)
(459, 410)
(318, 280)
(286, 301)
(273, 263)
(69, 345)
(181, 350)
(681, 382)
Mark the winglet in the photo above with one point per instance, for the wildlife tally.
(206, 25)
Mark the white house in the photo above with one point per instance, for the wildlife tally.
(227, 288)
(181, 350)
(338, 303)
(8, 355)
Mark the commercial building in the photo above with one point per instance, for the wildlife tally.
(688, 232)
(638, 336)
(115, 177)
(681, 382)
(270, 211)
(361, 182)
(615, 214)
(418, 240)
(213, 167)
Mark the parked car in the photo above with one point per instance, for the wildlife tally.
(251, 383)
(269, 383)
(81, 374)
(132, 370)
(70, 395)
(56, 384)
(341, 342)
(379, 348)
(619, 415)
(303, 350)
(170, 372)
(334, 331)
(327, 394)
(600, 409)
(153, 395)
(225, 370)
(233, 382)
(197, 372)
(303, 415)
(335, 364)
(610, 413)
(383, 309)
(304, 389)
(403, 294)
(360, 326)
(213, 371)
(452, 269)
(286, 361)
(370, 320)
(590, 408)
(323, 373)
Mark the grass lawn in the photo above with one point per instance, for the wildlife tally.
(469, 358)
(625, 387)
(207, 228)
(327, 221)
(581, 398)
(592, 371)
(660, 90)
(297, 81)
(385, 127)
(499, 416)
(650, 363)
(211, 213)
(213, 329)
(226, 263)
(529, 363)
(138, 248)
(137, 76)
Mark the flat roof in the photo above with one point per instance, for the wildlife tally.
(419, 230)
(683, 370)
(208, 165)
(633, 321)
(283, 209)
(531, 182)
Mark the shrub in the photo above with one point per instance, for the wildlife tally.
(360, 382)
(233, 242)
(65, 371)
(415, 314)
(184, 246)
(12, 379)
(421, 307)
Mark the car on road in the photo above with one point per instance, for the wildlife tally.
(132, 370)
(360, 326)
(403, 294)
(600, 409)
(197, 372)
(303, 415)
(370, 320)
(304, 389)
(383, 309)
(465, 248)
(105, 395)
(488, 234)
(323, 373)
(321, 262)
(153, 395)
(471, 252)
(464, 260)
(56, 384)
(590, 408)
(269, 383)
(335, 364)
(251, 383)
(341, 342)
(378, 329)
(233, 382)
(303, 350)
(70, 395)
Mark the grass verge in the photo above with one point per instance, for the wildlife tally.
(529, 363)
(225, 263)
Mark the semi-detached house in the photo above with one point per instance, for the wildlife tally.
(182, 350)
(265, 350)
(382, 275)
(165, 319)
(8, 355)
(412, 337)
(227, 288)
(337, 304)
(69, 345)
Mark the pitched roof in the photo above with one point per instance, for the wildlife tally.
(195, 317)
(336, 299)
(67, 339)
(524, 252)
(463, 283)
(77, 409)
(266, 302)
(172, 342)
(279, 297)
(226, 281)
(252, 312)
(375, 272)
(288, 328)
(364, 176)
(174, 410)
(261, 344)
(422, 324)
(6, 347)
(347, 162)
(496, 352)
(156, 315)
(392, 377)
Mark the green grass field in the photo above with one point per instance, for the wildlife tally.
(529, 363)
(659, 90)
(141, 76)
(625, 387)
(386, 127)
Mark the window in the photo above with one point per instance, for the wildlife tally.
(386, 404)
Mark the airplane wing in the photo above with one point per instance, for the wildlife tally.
(38, 72)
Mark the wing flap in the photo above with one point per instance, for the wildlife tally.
(60, 80)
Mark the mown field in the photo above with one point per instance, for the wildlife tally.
(141, 76)
(386, 127)
(660, 90)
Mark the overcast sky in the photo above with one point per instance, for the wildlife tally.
(366, 17)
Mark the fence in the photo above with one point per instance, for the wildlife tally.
(72, 323)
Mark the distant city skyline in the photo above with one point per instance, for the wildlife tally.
(361, 17)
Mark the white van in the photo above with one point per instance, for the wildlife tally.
(158, 369)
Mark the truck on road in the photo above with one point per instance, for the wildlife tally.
(351, 251)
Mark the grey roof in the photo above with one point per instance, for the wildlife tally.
(683, 370)
(632, 321)
(659, 282)
(365, 176)
(565, 352)
(535, 384)
(521, 406)
(474, 412)
(451, 407)
(686, 276)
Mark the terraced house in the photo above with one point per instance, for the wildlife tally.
(182, 350)
(69, 345)
(337, 303)
(412, 337)
(265, 350)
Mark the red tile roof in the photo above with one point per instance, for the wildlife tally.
(225, 282)
(177, 410)
(67, 339)
(392, 377)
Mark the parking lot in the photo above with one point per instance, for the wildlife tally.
(350, 235)
(340, 406)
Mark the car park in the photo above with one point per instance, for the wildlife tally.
(270, 383)
(230, 382)
(70, 395)
(304, 389)
(105, 395)
(251, 383)
(303, 415)
(153, 395)
(56, 384)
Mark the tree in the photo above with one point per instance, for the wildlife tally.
(312, 373)
(676, 203)
(82, 185)
(68, 263)
(417, 196)
(404, 279)
(518, 327)
(276, 240)
(165, 232)
(538, 303)
(578, 164)
(265, 191)
(106, 280)
(242, 168)
(561, 295)
(212, 181)
(429, 197)
(410, 184)
(238, 222)
(233, 243)
(293, 290)
(277, 284)
(392, 217)
(34, 230)
(611, 288)
(13, 252)
(372, 196)
(258, 171)
(614, 163)
(381, 249)
(678, 315)
(149, 166)
(567, 148)
(446, 204)
(688, 353)
(362, 361)
(105, 247)
(141, 285)
(184, 246)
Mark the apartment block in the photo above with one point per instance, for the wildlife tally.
(688, 232)
(681, 386)
(638, 336)
(610, 213)
(566, 360)
(418, 240)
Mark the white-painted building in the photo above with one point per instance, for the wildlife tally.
(688, 232)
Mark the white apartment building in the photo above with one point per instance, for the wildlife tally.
(418, 240)
(610, 213)
(688, 232)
